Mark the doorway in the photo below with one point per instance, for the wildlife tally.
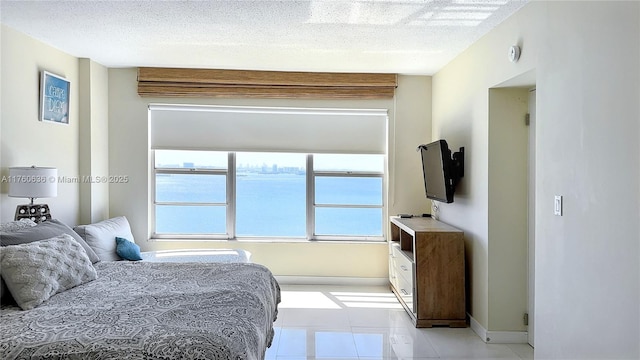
(511, 210)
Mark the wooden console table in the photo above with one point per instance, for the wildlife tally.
(426, 271)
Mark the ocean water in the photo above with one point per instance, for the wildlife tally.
(268, 204)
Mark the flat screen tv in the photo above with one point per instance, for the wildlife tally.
(441, 170)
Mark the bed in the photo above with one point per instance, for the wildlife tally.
(146, 309)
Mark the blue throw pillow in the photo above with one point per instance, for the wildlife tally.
(127, 250)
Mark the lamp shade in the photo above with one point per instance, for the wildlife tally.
(33, 182)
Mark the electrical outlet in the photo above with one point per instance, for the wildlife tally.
(557, 205)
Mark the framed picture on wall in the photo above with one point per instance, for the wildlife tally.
(54, 98)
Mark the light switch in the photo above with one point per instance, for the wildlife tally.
(557, 205)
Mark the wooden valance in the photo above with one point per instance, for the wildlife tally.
(182, 82)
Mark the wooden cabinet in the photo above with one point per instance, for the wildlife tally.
(427, 271)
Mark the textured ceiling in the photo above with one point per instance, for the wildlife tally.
(400, 36)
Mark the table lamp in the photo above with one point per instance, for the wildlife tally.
(33, 182)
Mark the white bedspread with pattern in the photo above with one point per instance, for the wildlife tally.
(147, 310)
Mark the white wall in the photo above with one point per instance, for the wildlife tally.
(411, 128)
(27, 141)
(94, 144)
(129, 156)
(587, 66)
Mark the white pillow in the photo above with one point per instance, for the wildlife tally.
(38, 270)
(101, 236)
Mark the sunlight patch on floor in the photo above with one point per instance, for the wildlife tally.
(307, 300)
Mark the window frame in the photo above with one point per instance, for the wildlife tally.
(312, 174)
(230, 203)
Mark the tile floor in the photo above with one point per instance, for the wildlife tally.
(367, 322)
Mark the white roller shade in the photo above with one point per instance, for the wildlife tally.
(231, 128)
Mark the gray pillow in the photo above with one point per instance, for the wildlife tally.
(101, 236)
(7, 227)
(37, 270)
(45, 230)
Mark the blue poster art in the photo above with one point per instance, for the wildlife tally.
(54, 102)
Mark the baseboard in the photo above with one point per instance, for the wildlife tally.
(498, 337)
(331, 280)
(477, 328)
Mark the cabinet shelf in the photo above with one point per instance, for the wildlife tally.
(426, 271)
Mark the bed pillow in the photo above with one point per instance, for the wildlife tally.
(38, 270)
(7, 227)
(45, 230)
(101, 236)
(127, 249)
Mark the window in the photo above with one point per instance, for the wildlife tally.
(268, 195)
(190, 192)
(348, 194)
(252, 172)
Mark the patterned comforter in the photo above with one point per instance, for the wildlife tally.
(140, 310)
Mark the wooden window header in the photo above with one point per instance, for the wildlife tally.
(178, 82)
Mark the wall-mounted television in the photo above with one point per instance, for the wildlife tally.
(442, 170)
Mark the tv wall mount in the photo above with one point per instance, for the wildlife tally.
(458, 165)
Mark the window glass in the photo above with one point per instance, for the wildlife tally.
(193, 188)
(270, 194)
(172, 219)
(348, 190)
(173, 159)
(348, 162)
(348, 221)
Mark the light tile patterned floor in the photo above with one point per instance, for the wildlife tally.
(367, 322)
